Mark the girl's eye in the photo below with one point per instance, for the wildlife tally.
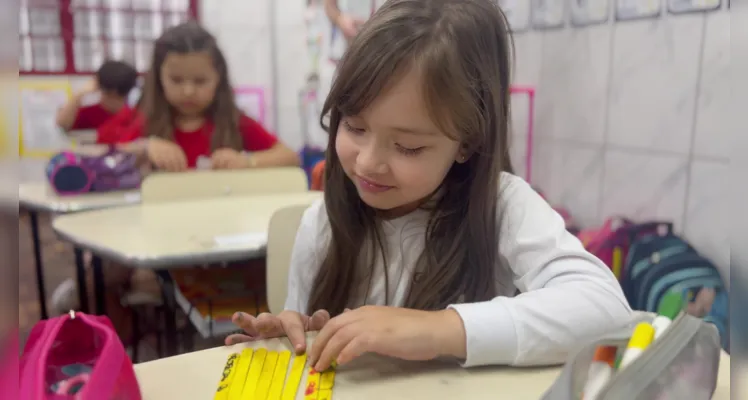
(176, 79)
(199, 82)
(350, 128)
(409, 151)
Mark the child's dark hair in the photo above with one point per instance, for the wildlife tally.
(463, 50)
(186, 38)
(117, 76)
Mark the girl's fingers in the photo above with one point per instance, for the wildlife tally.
(268, 325)
(354, 349)
(293, 326)
(328, 352)
(246, 322)
(237, 338)
(318, 320)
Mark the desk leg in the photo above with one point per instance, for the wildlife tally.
(80, 277)
(98, 276)
(34, 217)
(170, 316)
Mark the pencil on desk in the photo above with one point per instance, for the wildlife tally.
(229, 370)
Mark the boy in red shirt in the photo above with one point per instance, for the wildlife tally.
(113, 82)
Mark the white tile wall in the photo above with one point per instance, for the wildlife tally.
(633, 120)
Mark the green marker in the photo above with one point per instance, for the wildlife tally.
(670, 306)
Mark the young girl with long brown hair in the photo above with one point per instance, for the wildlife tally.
(190, 113)
(426, 245)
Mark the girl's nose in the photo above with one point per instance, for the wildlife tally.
(372, 161)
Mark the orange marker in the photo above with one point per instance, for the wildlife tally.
(601, 370)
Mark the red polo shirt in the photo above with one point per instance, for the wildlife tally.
(114, 130)
(198, 142)
(91, 117)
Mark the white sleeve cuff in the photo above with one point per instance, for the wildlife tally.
(490, 333)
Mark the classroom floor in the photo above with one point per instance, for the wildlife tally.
(59, 265)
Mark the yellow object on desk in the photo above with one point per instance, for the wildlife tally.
(261, 375)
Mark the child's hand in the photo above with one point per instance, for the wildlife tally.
(166, 155)
(226, 158)
(394, 332)
(287, 323)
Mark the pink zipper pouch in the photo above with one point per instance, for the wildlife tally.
(76, 357)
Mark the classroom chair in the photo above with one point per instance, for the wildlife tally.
(281, 237)
(196, 185)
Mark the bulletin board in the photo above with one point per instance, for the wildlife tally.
(38, 133)
(251, 100)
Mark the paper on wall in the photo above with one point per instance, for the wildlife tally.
(517, 14)
(589, 12)
(39, 130)
(637, 9)
(684, 6)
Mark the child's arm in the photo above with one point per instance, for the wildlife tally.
(567, 294)
(266, 150)
(68, 113)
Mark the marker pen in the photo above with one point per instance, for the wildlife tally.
(601, 370)
(640, 340)
(670, 306)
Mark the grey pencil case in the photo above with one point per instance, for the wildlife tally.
(681, 364)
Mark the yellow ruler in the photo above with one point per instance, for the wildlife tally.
(237, 385)
(266, 376)
(222, 393)
(312, 385)
(261, 375)
(279, 376)
(294, 379)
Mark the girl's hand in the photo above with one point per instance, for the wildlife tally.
(394, 332)
(166, 155)
(287, 323)
(226, 158)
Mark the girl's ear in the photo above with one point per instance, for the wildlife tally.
(463, 154)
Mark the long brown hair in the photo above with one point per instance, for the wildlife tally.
(185, 38)
(464, 50)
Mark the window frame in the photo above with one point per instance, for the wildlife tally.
(67, 33)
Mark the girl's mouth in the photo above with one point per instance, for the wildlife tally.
(368, 185)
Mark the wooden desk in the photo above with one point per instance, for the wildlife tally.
(37, 197)
(160, 236)
(196, 375)
(167, 235)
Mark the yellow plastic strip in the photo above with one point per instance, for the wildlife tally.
(325, 394)
(279, 376)
(229, 370)
(266, 376)
(327, 380)
(312, 385)
(253, 376)
(617, 262)
(294, 379)
(237, 385)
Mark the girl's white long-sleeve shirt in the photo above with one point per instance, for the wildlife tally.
(566, 295)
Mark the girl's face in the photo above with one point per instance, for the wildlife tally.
(189, 81)
(393, 152)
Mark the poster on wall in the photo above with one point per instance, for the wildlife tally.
(637, 9)
(38, 104)
(589, 12)
(517, 14)
(686, 6)
(251, 100)
(548, 14)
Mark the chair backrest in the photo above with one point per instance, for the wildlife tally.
(193, 185)
(281, 237)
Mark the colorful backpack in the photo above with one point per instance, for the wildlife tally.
(610, 243)
(71, 174)
(658, 264)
